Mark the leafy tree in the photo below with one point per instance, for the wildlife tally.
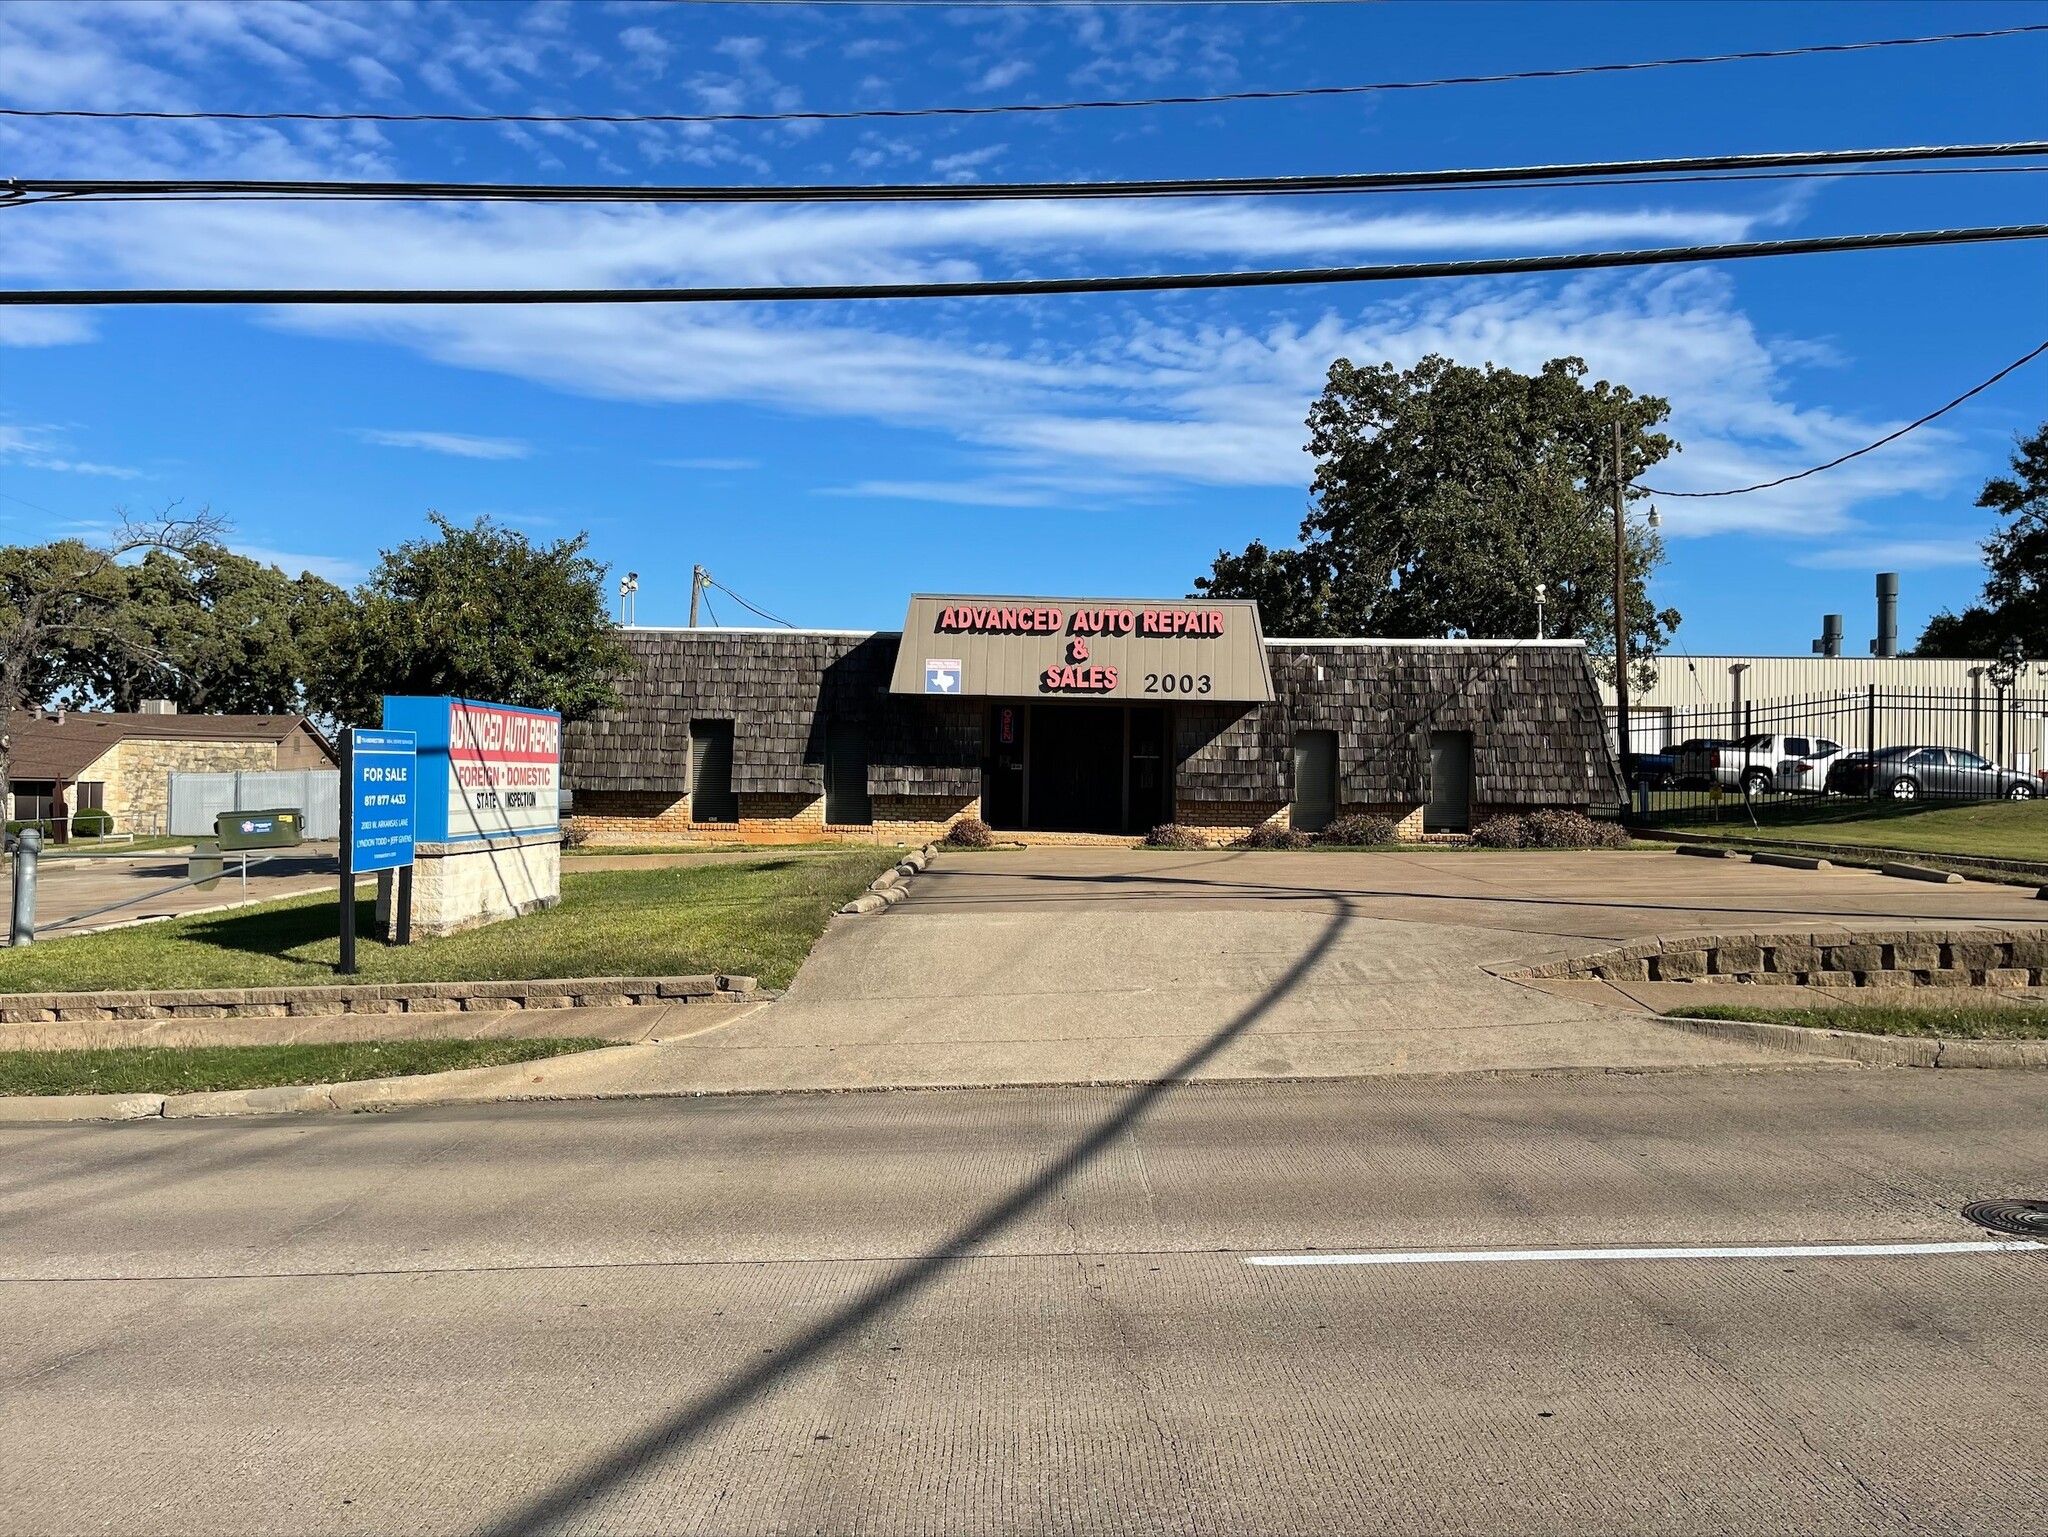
(62, 598)
(480, 612)
(1444, 494)
(2014, 606)
(211, 630)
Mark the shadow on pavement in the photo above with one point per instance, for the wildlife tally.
(708, 1410)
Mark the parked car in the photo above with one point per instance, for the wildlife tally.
(1761, 763)
(1946, 773)
(1660, 771)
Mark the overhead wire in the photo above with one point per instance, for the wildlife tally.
(1575, 261)
(997, 109)
(743, 603)
(20, 191)
(1890, 437)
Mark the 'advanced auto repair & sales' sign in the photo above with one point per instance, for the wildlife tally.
(1083, 648)
(498, 766)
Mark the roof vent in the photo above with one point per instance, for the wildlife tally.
(158, 707)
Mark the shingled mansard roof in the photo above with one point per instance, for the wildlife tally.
(63, 744)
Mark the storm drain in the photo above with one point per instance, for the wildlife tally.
(2028, 1219)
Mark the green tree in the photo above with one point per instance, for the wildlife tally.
(211, 630)
(1443, 496)
(59, 599)
(480, 612)
(2014, 606)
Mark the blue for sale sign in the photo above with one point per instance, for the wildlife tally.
(383, 799)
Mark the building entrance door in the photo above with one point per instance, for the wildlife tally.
(1077, 768)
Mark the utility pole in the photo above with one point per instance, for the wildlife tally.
(698, 577)
(1620, 620)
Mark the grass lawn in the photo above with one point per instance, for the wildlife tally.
(1961, 1021)
(1988, 829)
(755, 917)
(199, 1069)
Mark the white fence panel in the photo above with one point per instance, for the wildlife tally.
(196, 799)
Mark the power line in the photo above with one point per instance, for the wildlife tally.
(1017, 287)
(743, 603)
(1890, 437)
(1568, 184)
(998, 109)
(19, 190)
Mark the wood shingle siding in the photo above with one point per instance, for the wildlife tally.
(1534, 712)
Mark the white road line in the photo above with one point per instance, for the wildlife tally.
(1744, 1251)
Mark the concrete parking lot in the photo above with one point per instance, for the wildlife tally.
(1119, 965)
(68, 885)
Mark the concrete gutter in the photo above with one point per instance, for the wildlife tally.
(1872, 1050)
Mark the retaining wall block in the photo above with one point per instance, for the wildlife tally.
(1774, 978)
(1975, 955)
(2030, 950)
(1681, 965)
(2008, 976)
(373, 1006)
(738, 984)
(71, 1016)
(1936, 977)
(1634, 969)
(1831, 979)
(1788, 955)
(193, 1011)
(485, 1003)
(1884, 979)
(549, 1001)
(687, 987)
(1735, 958)
(1917, 952)
(1854, 957)
(602, 1000)
(433, 1006)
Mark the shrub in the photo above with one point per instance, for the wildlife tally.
(1171, 835)
(1270, 837)
(970, 833)
(574, 837)
(1358, 830)
(91, 823)
(1501, 832)
(1570, 830)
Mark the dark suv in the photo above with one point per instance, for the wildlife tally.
(1943, 773)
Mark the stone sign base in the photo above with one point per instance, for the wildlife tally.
(457, 886)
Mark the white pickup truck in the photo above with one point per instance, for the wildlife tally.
(1759, 764)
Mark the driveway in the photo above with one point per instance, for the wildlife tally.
(1113, 965)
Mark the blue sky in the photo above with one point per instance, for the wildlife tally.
(824, 461)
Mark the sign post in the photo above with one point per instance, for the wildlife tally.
(379, 768)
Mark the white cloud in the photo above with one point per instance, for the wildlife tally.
(343, 573)
(1895, 555)
(37, 448)
(461, 445)
(1007, 73)
(964, 166)
(44, 328)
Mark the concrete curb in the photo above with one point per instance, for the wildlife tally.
(1789, 861)
(1920, 873)
(892, 886)
(1873, 1050)
(372, 998)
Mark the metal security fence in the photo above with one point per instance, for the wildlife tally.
(196, 799)
(1804, 758)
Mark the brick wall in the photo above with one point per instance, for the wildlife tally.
(1407, 819)
(647, 816)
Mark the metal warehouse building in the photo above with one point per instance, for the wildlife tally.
(1060, 719)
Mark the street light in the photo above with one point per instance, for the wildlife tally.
(1541, 589)
(629, 584)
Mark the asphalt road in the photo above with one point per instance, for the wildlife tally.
(1033, 1310)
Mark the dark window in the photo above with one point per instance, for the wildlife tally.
(711, 797)
(88, 795)
(1968, 760)
(1931, 757)
(1315, 781)
(33, 799)
(846, 774)
(1797, 746)
(1825, 748)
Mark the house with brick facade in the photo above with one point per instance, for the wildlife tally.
(1075, 720)
(68, 761)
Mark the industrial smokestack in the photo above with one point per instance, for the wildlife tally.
(1887, 642)
(1830, 642)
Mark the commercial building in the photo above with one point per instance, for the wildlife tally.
(1058, 719)
(68, 761)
